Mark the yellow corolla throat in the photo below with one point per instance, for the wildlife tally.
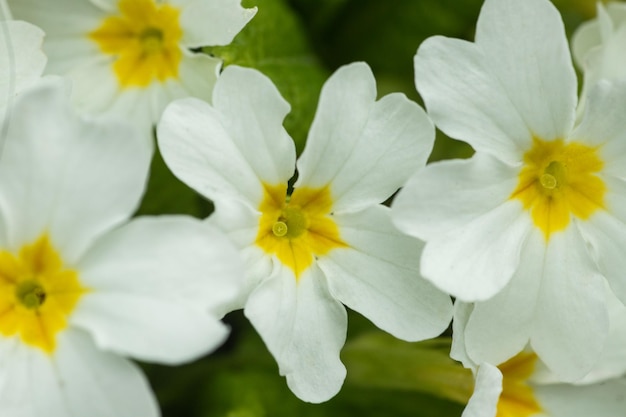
(560, 180)
(517, 398)
(299, 227)
(37, 294)
(144, 40)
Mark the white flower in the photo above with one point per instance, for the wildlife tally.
(79, 283)
(329, 241)
(130, 58)
(523, 387)
(598, 46)
(535, 221)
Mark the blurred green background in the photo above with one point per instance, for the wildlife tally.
(299, 43)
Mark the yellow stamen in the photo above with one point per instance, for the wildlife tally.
(144, 41)
(37, 294)
(300, 229)
(559, 181)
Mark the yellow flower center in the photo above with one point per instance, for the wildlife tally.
(517, 398)
(37, 294)
(559, 180)
(298, 228)
(144, 41)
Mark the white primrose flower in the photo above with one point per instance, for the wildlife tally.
(81, 285)
(523, 387)
(598, 46)
(130, 58)
(535, 222)
(327, 242)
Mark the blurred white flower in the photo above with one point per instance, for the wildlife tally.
(80, 284)
(130, 58)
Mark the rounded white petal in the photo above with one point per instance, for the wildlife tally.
(571, 322)
(148, 328)
(140, 106)
(515, 82)
(198, 75)
(598, 400)
(231, 149)
(378, 276)
(526, 48)
(60, 174)
(304, 328)
(364, 149)
(476, 261)
(21, 59)
(606, 232)
(499, 328)
(586, 37)
(212, 22)
(603, 125)
(152, 284)
(166, 256)
(612, 362)
(465, 100)
(449, 194)
(487, 390)
(55, 19)
(458, 350)
(77, 380)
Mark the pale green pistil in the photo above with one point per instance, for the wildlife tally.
(291, 223)
(152, 39)
(30, 294)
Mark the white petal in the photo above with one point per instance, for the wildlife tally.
(586, 37)
(73, 178)
(166, 256)
(231, 149)
(603, 125)
(304, 328)
(378, 276)
(198, 74)
(516, 81)
(99, 384)
(449, 194)
(571, 322)
(474, 262)
(487, 390)
(526, 47)
(77, 380)
(364, 149)
(18, 364)
(500, 327)
(148, 328)
(458, 350)
(606, 232)
(612, 362)
(465, 101)
(212, 22)
(21, 59)
(54, 19)
(599, 400)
